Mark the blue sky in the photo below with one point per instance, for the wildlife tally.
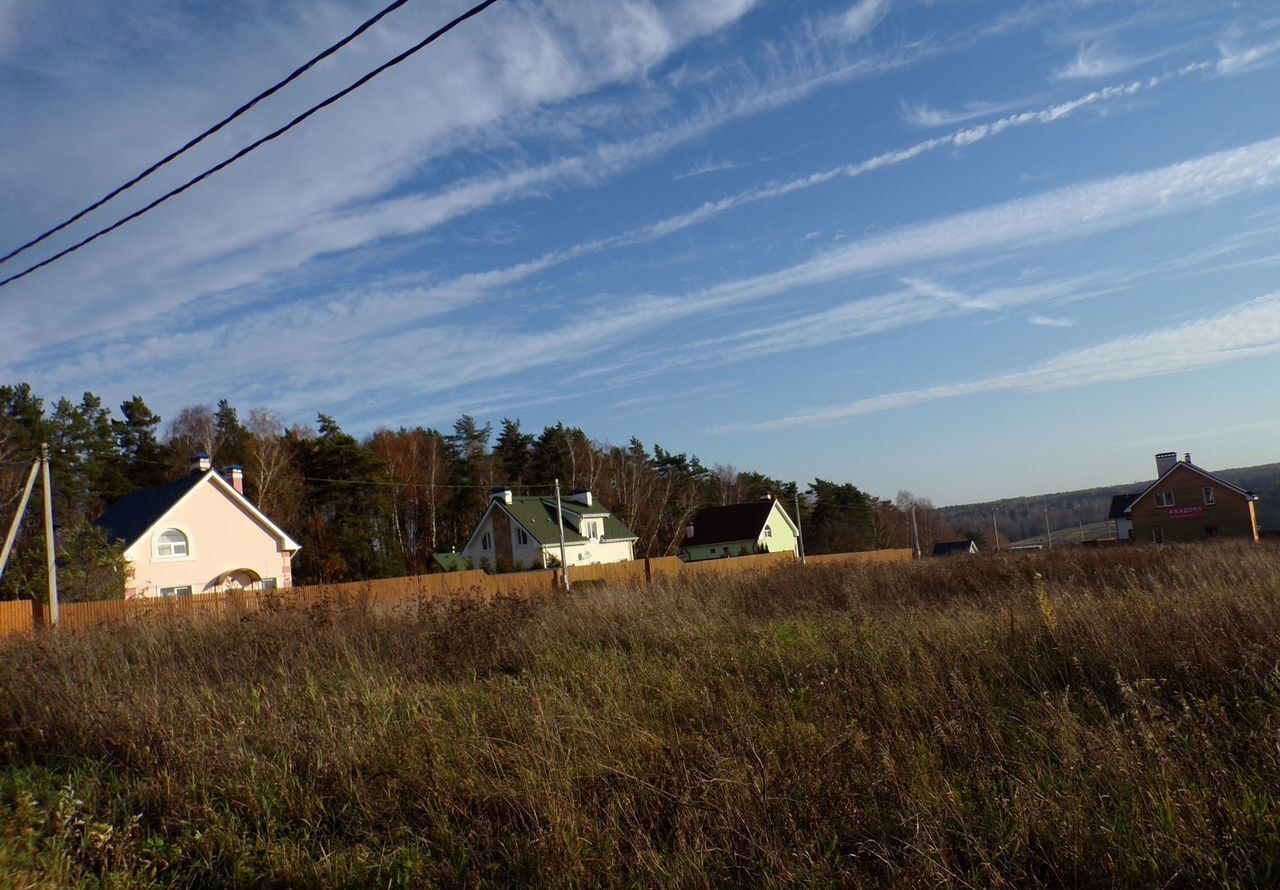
(971, 249)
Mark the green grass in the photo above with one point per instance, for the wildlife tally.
(1082, 718)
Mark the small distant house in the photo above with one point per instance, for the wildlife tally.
(198, 534)
(955, 548)
(448, 562)
(739, 529)
(1187, 503)
(523, 532)
(1119, 514)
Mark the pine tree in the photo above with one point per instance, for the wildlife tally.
(349, 523)
(513, 453)
(144, 457)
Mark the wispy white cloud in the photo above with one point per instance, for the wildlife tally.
(921, 300)
(1236, 59)
(702, 168)
(711, 209)
(1096, 59)
(384, 332)
(1049, 321)
(858, 20)
(1246, 331)
(921, 114)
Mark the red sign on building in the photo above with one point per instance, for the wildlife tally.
(1186, 512)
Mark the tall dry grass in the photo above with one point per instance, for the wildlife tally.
(1082, 718)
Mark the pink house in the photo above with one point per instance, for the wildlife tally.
(198, 534)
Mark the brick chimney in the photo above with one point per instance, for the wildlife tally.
(235, 475)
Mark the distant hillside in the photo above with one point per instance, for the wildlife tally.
(1024, 517)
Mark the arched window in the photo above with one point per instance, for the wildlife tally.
(768, 532)
(172, 543)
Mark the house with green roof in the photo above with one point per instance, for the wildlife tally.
(523, 532)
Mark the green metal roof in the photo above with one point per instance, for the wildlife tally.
(538, 517)
(451, 562)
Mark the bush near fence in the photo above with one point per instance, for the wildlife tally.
(392, 594)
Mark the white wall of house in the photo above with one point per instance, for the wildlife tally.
(589, 553)
(221, 537)
(535, 555)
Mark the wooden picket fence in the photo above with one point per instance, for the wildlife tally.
(389, 595)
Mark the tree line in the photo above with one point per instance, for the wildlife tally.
(382, 505)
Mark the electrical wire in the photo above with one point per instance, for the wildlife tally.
(265, 94)
(275, 134)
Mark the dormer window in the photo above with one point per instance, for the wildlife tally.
(593, 530)
(172, 543)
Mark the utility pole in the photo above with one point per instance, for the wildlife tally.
(996, 529)
(799, 530)
(564, 565)
(915, 530)
(17, 517)
(50, 549)
(1048, 532)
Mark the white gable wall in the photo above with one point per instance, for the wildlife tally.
(222, 537)
(533, 555)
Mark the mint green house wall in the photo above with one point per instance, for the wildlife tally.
(783, 538)
(717, 551)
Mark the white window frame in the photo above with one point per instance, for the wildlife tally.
(157, 556)
(179, 590)
(593, 529)
(1164, 499)
(768, 531)
(1209, 497)
(1157, 535)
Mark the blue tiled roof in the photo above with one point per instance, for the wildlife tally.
(128, 518)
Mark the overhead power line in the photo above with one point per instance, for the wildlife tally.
(265, 94)
(275, 134)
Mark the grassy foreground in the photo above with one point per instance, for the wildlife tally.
(1076, 718)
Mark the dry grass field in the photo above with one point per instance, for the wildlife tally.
(1106, 717)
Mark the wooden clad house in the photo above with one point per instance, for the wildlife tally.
(1188, 503)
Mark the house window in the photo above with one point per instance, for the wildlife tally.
(1208, 497)
(592, 530)
(175, 591)
(485, 542)
(1157, 535)
(522, 537)
(267, 584)
(172, 543)
(1164, 499)
(768, 532)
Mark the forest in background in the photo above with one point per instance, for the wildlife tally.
(1024, 517)
(381, 506)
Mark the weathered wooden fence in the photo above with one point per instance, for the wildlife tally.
(392, 594)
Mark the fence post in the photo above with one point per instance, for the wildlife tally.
(37, 614)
